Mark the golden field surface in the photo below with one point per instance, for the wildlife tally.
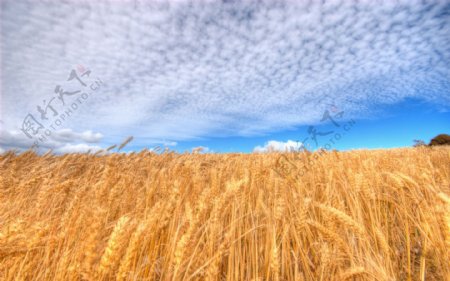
(357, 215)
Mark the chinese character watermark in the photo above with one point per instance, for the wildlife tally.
(287, 166)
(54, 111)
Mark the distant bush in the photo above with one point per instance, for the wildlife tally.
(418, 143)
(442, 139)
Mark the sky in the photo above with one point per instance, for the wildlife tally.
(223, 76)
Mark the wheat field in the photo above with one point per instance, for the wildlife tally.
(357, 215)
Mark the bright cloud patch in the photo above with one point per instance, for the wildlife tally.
(78, 148)
(200, 149)
(66, 135)
(62, 141)
(273, 145)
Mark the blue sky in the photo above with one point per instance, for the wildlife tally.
(227, 76)
(395, 126)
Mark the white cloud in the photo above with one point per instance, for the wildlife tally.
(184, 70)
(67, 135)
(61, 141)
(201, 149)
(169, 143)
(273, 145)
(77, 148)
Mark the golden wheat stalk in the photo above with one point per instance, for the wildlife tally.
(125, 142)
(113, 249)
(343, 218)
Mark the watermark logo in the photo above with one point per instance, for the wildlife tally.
(56, 109)
(289, 166)
(331, 114)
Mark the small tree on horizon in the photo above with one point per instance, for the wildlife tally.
(419, 143)
(442, 139)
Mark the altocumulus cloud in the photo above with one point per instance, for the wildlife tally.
(182, 70)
